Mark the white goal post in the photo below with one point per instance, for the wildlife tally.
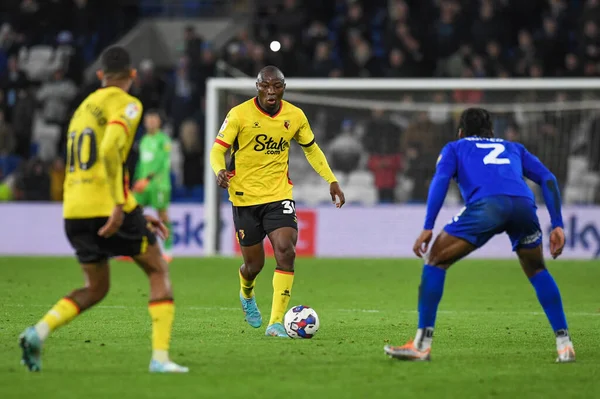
(214, 113)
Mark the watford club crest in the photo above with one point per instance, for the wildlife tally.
(286, 124)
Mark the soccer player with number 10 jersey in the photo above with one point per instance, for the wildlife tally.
(102, 218)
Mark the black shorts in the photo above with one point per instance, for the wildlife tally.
(253, 223)
(132, 238)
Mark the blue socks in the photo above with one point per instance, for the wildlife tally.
(430, 294)
(549, 297)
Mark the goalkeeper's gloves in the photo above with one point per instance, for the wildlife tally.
(140, 185)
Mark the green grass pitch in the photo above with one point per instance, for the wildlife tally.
(492, 339)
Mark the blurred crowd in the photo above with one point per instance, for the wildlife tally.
(384, 156)
(425, 38)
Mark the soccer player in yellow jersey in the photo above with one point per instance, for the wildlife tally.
(259, 132)
(102, 218)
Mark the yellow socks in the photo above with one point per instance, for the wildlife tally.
(62, 313)
(282, 289)
(162, 313)
(246, 287)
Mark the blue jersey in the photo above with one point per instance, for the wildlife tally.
(483, 167)
(486, 167)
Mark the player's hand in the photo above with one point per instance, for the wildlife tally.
(337, 195)
(422, 244)
(113, 223)
(140, 185)
(223, 178)
(557, 242)
(157, 227)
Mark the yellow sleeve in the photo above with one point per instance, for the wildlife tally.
(225, 138)
(123, 122)
(304, 136)
(317, 160)
(110, 153)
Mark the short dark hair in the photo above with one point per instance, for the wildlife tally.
(476, 122)
(270, 70)
(154, 111)
(116, 61)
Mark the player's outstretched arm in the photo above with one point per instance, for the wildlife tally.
(316, 158)
(537, 172)
(438, 188)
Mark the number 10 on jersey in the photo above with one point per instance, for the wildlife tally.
(82, 149)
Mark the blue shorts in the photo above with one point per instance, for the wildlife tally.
(484, 218)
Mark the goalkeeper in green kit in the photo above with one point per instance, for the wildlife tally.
(152, 185)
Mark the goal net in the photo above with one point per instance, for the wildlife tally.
(382, 137)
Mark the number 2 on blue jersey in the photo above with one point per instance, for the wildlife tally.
(492, 157)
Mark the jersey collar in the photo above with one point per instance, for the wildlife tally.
(262, 111)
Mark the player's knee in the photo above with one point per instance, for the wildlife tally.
(253, 267)
(285, 255)
(434, 261)
(97, 290)
(434, 258)
(531, 268)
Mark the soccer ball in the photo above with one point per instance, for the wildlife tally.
(301, 322)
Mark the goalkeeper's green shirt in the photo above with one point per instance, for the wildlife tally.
(155, 161)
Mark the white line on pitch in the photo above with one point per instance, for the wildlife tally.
(403, 311)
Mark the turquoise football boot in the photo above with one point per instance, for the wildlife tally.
(251, 312)
(276, 330)
(31, 344)
(166, 367)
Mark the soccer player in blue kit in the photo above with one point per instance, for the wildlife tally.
(489, 172)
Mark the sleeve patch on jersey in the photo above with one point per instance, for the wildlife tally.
(439, 159)
(132, 110)
(224, 125)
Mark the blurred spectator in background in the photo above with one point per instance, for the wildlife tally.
(192, 45)
(207, 67)
(22, 122)
(7, 137)
(323, 63)
(12, 81)
(149, 86)
(382, 142)
(33, 182)
(57, 178)
(181, 99)
(399, 67)
(345, 150)
(55, 98)
(193, 154)
(421, 144)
